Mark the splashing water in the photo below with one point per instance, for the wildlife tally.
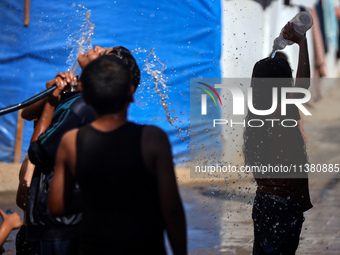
(80, 41)
(154, 67)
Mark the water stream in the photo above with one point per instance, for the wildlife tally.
(155, 68)
(80, 41)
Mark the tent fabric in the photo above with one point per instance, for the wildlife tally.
(185, 36)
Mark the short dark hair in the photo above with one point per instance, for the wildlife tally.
(272, 68)
(106, 82)
(268, 73)
(126, 56)
(280, 54)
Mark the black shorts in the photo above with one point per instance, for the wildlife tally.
(277, 224)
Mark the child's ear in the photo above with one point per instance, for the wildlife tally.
(131, 92)
(132, 89)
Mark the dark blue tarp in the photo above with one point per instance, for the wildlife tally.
(185, 36)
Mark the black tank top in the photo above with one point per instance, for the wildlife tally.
(122, 212)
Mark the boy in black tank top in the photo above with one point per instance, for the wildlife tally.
(110, 154)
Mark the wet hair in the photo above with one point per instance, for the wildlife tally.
(272, 68)
(106, 83)
(269, 73)
(126, 56)
(263, 145)
(280, 54)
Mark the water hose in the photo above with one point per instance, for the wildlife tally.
(28, 102)
(33, 99)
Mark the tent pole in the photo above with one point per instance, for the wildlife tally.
(27, 13)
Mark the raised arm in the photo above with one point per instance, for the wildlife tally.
(157, 155)
(303, 70)
(61, 80)
(33, 111)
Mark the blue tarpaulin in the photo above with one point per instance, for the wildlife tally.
(185, 36)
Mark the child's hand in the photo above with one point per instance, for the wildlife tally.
(291, 34)
(13, 220)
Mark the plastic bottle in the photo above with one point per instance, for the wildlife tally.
(301, 22)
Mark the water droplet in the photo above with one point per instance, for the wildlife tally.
(80, 41)
(273, 54)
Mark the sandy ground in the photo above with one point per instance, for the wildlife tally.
(219, 211)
